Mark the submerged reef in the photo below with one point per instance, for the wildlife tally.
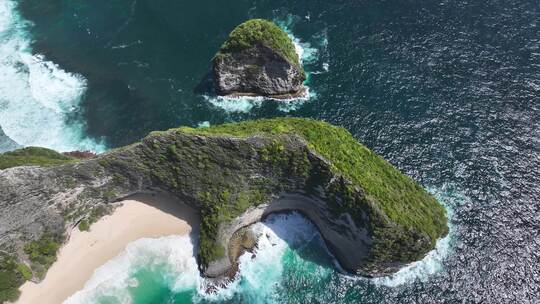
(373, 218)
(258, 59)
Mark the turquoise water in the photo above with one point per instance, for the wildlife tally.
(448, 91)
(290, 265)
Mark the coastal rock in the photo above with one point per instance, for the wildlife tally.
(6, 143)
(373, 219)
(258, 59)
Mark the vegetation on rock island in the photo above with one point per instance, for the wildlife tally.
(261, 31)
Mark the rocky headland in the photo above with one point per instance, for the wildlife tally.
(373, 218)
(258, 59)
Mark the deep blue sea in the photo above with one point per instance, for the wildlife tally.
(447, 91)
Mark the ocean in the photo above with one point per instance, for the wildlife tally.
(447, 91)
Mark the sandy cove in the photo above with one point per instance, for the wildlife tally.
(139, 217)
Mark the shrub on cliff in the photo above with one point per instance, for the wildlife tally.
(406, 205)
(32, 156)
(42, 252)
(261, 31)
(12, 275)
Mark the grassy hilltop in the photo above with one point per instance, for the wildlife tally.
(262, 31)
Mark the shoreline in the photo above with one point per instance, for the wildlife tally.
(140, 216)
(300, 94)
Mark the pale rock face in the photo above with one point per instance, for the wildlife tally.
(258, 71)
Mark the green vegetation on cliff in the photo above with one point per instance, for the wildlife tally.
(224, 170)
(404, 202)
(33, 156)
(261, 31)
(12, 275)
(94, 216)
(42, 252)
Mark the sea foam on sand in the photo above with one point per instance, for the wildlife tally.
(139, 218)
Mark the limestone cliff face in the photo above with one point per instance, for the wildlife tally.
(258, 71)
(234, 181)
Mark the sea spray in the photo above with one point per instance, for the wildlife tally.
(37, 97)
(312, 53)
(305, 51)
(171, 259)
(240, 104)
(282, 258)
(244, 104)
(291, 260)
(433, 262)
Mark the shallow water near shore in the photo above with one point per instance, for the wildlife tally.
(290, 253)
(291, 265)
(447, 91)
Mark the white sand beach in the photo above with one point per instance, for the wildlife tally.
(141, 216)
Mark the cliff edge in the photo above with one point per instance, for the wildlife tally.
(373, 218)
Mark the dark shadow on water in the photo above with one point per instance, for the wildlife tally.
(312, 248)
(206, 85)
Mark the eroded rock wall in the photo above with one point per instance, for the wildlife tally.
(257, 71)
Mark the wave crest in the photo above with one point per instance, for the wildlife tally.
(37, 97)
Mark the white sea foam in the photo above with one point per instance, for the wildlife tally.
(203, 124)
(421, 270)
(432, 263)
(305, 51)
(37, 96)
(261, 273)
(241, 104)
(172, 257)
(244, 104)
(308, 52)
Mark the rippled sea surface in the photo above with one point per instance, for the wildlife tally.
(448, 91)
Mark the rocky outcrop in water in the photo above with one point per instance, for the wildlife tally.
(235, 175)
(258, 59)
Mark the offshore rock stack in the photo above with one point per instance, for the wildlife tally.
(258, 59)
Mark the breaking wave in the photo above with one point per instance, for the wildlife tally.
(169, 261)
(290, 251)
(38, 99)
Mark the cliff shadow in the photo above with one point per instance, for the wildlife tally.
(171, 205)
(304, 238)
(206, 85)
(293, 219)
